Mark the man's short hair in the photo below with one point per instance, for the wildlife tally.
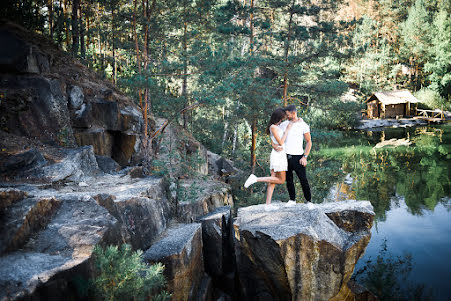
(290, 108)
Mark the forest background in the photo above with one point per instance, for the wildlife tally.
(220, 67)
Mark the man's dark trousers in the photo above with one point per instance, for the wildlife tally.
(294, 165)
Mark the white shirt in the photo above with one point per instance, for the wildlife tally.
(295, 137)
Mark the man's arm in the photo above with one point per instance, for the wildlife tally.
(276, 147)
(308, 147)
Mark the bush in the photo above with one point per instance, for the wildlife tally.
(337, 115)
(431, 99)
(123, 275)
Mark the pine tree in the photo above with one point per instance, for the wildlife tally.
(439, 65)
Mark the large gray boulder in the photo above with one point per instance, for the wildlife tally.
(299, 252)
(139, 204)
(35, 107)
(180, 250)
(218, 166)
(46, 238)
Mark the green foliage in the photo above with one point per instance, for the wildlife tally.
(339, 115)
(439, 65)
(431, 99)
(122, 275)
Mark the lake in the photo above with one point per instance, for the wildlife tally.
(405, 174)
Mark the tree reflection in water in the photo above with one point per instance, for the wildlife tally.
(387, 277)
(419, 172)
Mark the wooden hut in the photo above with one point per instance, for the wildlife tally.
(391, 104)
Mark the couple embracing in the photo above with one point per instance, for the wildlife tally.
(288, 154)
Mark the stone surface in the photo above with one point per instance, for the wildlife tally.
(216, 241)
(180, 250)
(141, 208)
(76, 97)
(78, 164)
(297, 253)
(205, 289)
(100, 113)
(48, 96)
(198, 197)
(20, 163)
(35, 107)
(131, 120)
(52, 229)
(108, 165)
(176, 143)
(219, 166)
(50, 244)
(9, 196)
(101, 140)
(23, 219)
(44, 163)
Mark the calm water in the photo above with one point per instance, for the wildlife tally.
(409, 187)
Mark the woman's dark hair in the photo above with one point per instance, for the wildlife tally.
(276, 116)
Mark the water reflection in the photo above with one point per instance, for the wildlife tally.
(409, 187)
(387, 276)
(418, 172)
(414, 246)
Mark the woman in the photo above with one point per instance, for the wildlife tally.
(278, 160)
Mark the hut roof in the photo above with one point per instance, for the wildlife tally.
(394, 97)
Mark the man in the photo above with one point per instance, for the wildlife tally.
(296, 155)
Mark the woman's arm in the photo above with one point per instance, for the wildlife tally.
(280, 140)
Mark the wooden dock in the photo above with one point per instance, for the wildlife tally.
(431, 116)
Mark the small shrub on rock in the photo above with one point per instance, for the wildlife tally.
(123, 275)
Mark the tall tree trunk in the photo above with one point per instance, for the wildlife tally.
(287, 50)
(59, 35)
(235, 137)
(254, 120)
(251, 27)
(138, 57)
(185, 66)
(82, 32)
(113, 45)
(75, 27)
(88, 31)
(254, 144)
(50, 12)
(145, 59)
(224, 136)
(66, 24)
(147, 104)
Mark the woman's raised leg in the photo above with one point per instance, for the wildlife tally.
(277, 178)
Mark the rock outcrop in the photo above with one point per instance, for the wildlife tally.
(180, 250)
(297, 253)
(196, 198)
(44, 238)
(48, 96)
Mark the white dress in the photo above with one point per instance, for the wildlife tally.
(278, 160)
